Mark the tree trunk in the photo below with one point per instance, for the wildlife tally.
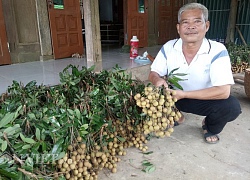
(232, 21)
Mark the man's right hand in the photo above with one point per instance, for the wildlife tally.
(156, 80)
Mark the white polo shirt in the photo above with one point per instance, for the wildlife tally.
(210, 67)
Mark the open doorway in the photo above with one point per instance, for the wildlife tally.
(111, 22)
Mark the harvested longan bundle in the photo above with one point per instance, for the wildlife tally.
(158, 104)
(79, 163)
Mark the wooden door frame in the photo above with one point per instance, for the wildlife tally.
(4, 54)
(66, 40)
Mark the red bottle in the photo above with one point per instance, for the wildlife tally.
(134, 45)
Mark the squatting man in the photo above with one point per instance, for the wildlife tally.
(206, 88)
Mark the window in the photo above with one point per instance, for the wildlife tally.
(58, 4)
(141, 6)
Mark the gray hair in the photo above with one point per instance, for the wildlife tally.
(190, 6)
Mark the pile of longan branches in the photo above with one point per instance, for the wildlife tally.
(76, 128)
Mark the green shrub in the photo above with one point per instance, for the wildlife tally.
(238, 53)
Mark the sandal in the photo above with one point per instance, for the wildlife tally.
(209, 134)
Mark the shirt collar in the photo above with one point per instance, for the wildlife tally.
(204, 49)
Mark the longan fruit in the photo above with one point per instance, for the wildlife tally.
(70, 148)
(173, 92)
(79, 139)
(60, 161)
(170, 130)
(114, 170)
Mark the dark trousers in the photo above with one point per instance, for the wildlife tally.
(217, 112)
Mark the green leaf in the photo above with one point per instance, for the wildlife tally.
(70, 111)
(147, 153)
(83, 129)
(30, 140)
(121, 139)
(44, 146)
(150, 169)
(27, 140)
(60, 156)
(17, 111)
(9, 173)
(91, 68)
(146, 164)
(43, 135)
(12, 130)
(45, 110)
(94, 92)
(175, 83)
(75, 71)
(28, 165)
(85, 126)
(72, 83)
(57, 148)
(38, 133)
(36, 146)
(179, 74)
(78, 113)
(4, 146)
(174, 78)
(17, 145)
(171, 72)
(27, 146)
(6, 119)
(83, 133)
(22, 137)
(31, 115)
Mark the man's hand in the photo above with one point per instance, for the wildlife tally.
(156, 80)
(178, 94)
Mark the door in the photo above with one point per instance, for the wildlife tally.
(66, 27)
(168, 15)
(176, 5)
(137, 21)
(4, 51)
(165, 21)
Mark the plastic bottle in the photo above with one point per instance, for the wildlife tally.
(134, 45)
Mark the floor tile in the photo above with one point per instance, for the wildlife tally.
(47, 72)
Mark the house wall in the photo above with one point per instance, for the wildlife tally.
(28, 30)
(9, 25)
(22, 30)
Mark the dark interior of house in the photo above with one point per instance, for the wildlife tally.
(111, 22)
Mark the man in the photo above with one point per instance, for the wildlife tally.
(206, 90)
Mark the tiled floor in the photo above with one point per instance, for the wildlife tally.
(47, 72)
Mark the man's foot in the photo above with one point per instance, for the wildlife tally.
(180, 121)
(208, 136)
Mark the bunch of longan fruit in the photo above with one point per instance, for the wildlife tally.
(158, 104)
(84, 164)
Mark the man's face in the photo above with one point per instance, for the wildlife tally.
(192, 27)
